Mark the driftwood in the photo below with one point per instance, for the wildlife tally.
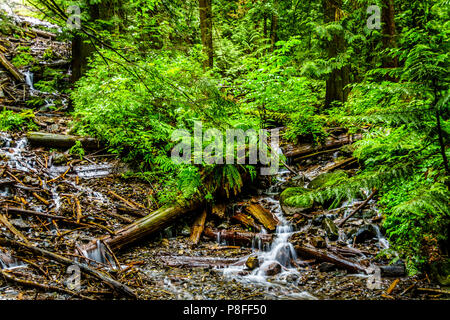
(145, 226)
(362, 205)
(119, 287)
(198, 227)
(198, 262)
(61, 141)
(10, 67)
(392, 270)
(310, 252)
(297, 151)
(238, 237)
(264, 216)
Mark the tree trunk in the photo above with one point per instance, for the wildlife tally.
(389, 34)
(61, 141)
(205, 10)
(340, 77)
(264, 216)
(273, 32)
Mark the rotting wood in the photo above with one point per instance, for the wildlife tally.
(340, 164)
(119, 287)
(310, 252)
(10, 67)
(238, 237)
(264, 216)
(392, 286)
(4, 220)
(61, 141)
(198, 226)
(246, 220)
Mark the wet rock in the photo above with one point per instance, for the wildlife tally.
(252, 262)
(59, 158)
(327, 267)
(272, 268)
(331, 229)
(284, 255)
(186, 231)
(327, 179)
(295, 200)
(364, 233)
(318, 242)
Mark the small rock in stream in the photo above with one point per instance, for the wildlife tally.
(331, 229)
(318, 242)
(326, 267)
(252, 262)
(272, 268)
(364, 233)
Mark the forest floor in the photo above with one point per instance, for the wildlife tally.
(165, 265)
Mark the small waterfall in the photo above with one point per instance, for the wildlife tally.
(29, 81)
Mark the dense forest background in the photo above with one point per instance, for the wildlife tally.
(143, 68)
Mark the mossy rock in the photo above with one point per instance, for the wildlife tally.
(295, 200)
(327, 179)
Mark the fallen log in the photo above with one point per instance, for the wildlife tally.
(238, 237)
(297, 151)
(341, 164)
(362, 205)
(146, 225)
(119, 287)
(198, 262)
(310, 252)
(10, 67)
(61, 141)
(393, 270)
(41, 33)
(198, 227)
(264, 216)
(131, 211)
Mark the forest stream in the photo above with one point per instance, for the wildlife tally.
(57, 200)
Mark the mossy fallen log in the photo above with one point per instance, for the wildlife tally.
(147, 225)
(297, 152)
(52, 140)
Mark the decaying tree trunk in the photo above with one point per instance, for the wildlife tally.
(310, 252)
(10, 67)
(198, 227)
(61, 141)
(293, 151)
(241, 238)
(264, 216)
(147, 225)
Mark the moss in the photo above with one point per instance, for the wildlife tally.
(296, 197)
(328, 179)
